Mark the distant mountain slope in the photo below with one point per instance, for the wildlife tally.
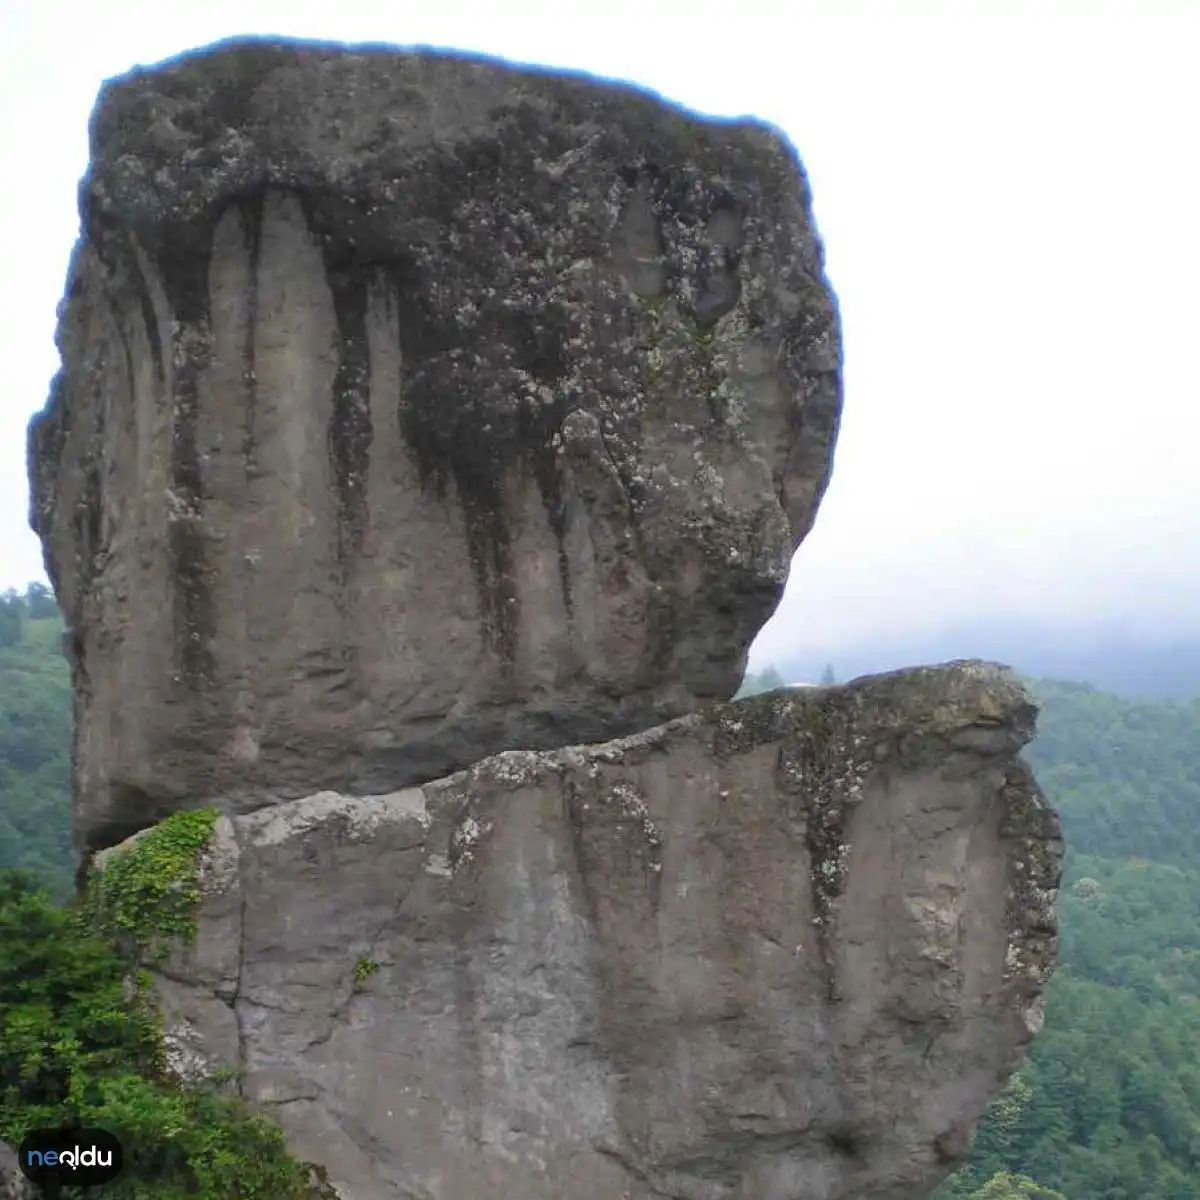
(35, 741)
(1108, 1105)
(1165, 667)
(1124, 774)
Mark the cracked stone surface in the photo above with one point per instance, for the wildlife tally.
(413, 408)
(786, 948)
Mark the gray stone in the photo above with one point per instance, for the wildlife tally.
(413, 408)
(13, 1184)
(784, 949)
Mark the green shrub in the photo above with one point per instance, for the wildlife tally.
(81, 1037)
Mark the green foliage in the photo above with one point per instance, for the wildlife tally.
(12, 618)
(35, 747)
(65, 1013)
(1006, 1186)
(148, 891)
(1124, 774)
(39, 603)
(80, 1043)
(363, 970)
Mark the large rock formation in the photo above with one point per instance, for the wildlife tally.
(421, 415)
(415, 408)
(786, 950)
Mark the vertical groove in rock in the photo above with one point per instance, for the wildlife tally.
(184, 273)
(350, 423)
(252, 218)
(146, 306)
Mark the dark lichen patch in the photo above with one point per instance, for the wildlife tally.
(818, 769)
(45, 440)
(741, 725)
(495, 340)
(116, 252)
(489, 545)
(697, 220)
(184, 272)
(218, 99)
(826, 769)
(350, 421)
(251, 211)
(88, 516)
(539, 425)
(1035, 873)
(662, 629)
(126, 351)
(846, 1142)
(612, 830)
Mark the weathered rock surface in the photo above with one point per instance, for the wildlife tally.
(415, 408)
(787, 948)
(13, 1185)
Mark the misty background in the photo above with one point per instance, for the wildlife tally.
(1007, 192)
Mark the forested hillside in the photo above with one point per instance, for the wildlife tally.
(1108, 1105)
(1124, 775)
(35, 738)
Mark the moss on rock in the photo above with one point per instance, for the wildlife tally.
(143, 894)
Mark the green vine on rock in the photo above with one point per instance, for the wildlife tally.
(145, 895)
(363, 970)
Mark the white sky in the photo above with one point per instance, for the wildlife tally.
(1009, 193)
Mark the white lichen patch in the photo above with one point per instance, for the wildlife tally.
(939, 927)
(465, 839)
(408, 802)
(438, 864)
(833, 868)
(183, 1053)
(633, 806)
(512, 768)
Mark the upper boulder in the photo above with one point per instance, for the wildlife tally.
(415, 407)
